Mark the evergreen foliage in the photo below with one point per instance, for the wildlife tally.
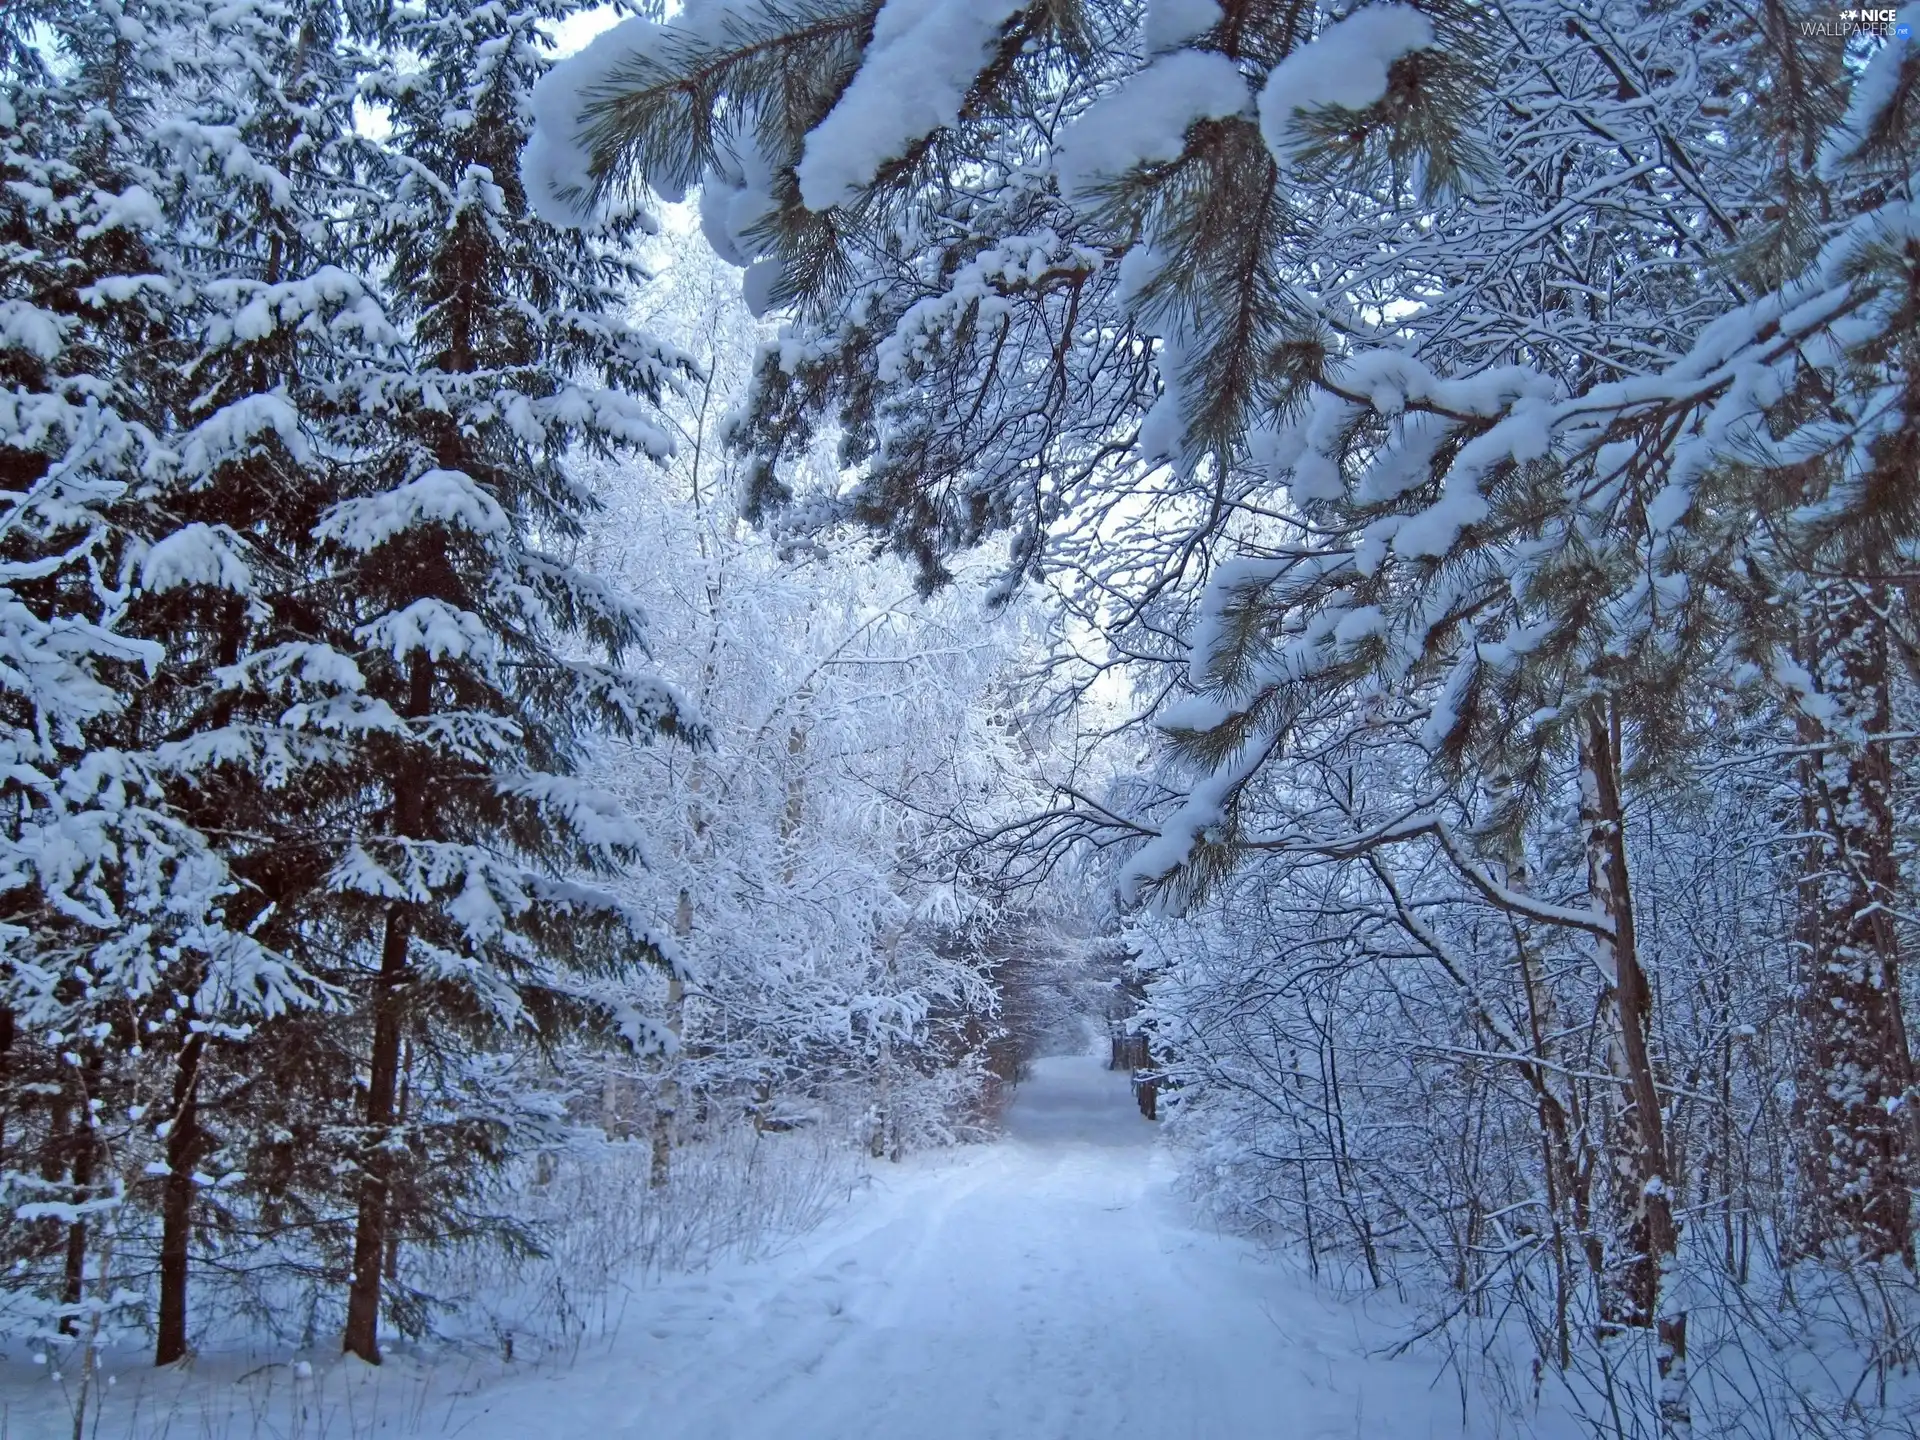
(302, 877)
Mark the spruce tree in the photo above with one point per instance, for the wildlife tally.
(71, 444)
(263, 184)
(120, 933)
(466, 883)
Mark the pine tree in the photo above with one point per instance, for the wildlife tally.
(262, 179)
(321, 568)
(461, 882)
(1842, 489)
(955, 258)
(120, 905)
(946, 288)
(71, 445)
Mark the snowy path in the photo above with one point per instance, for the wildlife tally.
(1045, 1288)
(1048, 1287)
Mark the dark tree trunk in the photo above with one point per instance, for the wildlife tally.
(176, 1205)
(74, 1279)
(373, 1224)
(406, 1084)
(362, 1336)
(6, 1074)
(185, 1138)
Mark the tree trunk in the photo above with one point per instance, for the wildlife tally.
(1855, 1063)
(7, 1028)
(73, 1280)
(176, 1205)
(1643, 1194)
(362, 1335)
(372, 1224)
(883, 1105)
(84, 1146)
(667, 1101)
(1565, 1159)
(392, 1262)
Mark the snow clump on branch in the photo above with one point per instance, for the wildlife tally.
(1146, 120)
(912, 81)
(1345, 66)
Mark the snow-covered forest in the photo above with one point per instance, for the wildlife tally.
(628, 630)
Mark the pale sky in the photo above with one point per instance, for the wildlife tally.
(576, 30)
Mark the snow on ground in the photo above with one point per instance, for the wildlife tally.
(1048, 1287)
